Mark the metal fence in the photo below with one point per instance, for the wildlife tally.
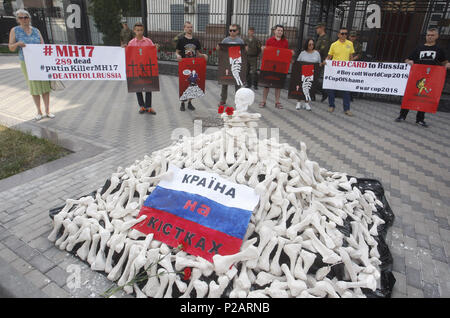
(403, 25)
(211, 19)
(166, 20)
(403, 22)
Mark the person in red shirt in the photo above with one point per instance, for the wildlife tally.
(141, 40)
(279, 41)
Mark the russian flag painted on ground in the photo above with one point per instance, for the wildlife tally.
(207, 214)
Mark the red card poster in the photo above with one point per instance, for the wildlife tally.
(276, 60)
(274, 66)
(191, 75)
(142, 68)
(424, 88)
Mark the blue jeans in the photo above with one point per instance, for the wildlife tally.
(345, 97)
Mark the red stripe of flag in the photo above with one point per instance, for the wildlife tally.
(197, 239)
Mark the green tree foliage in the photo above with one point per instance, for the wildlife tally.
(130, 8)
(107, 15)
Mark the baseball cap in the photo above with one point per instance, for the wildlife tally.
(320, 24)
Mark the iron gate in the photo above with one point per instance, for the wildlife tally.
(402, 23)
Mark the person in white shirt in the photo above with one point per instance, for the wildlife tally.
(308, 55)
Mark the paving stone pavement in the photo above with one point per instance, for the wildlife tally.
(411, 162)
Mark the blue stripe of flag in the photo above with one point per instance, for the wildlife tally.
(228, 220)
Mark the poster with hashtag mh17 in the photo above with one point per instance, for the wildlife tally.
(57, 62)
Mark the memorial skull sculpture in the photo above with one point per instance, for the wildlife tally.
(311, 234)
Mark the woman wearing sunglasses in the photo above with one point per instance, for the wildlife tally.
(308, 55)
(19, 36)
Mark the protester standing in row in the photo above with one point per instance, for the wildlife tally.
(308, 55)
(19, 36)
(323, 46)
(253, 51)
(188, 46)
(430, 54)
(279, 41)
(341, 50)
(234, 38)
(141, 40)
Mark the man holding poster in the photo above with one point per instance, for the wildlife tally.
(189, 47)
(141, 41)
(235, 60)
(428, 54)
(341, 50)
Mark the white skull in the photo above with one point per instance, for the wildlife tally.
(244, 97)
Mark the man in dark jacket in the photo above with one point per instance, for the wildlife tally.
(253, 51)
(323, 44)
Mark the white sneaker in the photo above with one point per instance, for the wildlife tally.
(50, 115)
(299, 106)
(307, 107)
(38, 117)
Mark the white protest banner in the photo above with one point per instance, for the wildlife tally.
(366, 77)
(51, 62)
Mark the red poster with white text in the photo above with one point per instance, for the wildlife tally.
(424, 88)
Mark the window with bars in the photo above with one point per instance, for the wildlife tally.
(176, 17)
(259, 11)
(203, 16)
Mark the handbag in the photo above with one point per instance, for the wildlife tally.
(57, 85)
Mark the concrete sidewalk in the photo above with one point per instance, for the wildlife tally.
(100, 122)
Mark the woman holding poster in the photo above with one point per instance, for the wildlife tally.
(309, 55)
(278, 41)
(19, 36)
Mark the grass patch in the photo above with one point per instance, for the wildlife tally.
(5, 49)
(22, 151)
